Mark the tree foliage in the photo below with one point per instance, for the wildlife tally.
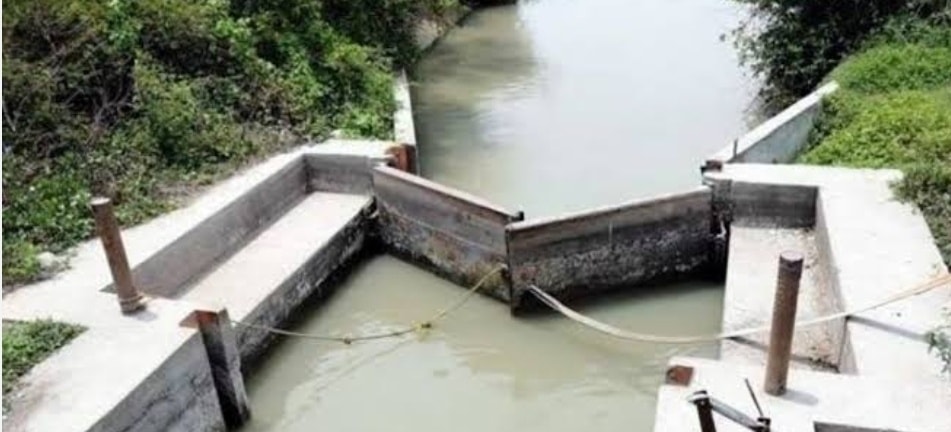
(142, 99)
(793, 44)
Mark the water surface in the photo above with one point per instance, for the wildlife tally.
(558, 105)
(547, 106)
(480, 369)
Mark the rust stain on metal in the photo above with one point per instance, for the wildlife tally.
(679, 375)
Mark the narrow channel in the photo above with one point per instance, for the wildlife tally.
(545, 106)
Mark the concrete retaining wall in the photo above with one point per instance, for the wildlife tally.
(842, 356)
(179, 395)
(765, 204)
(779, 139)
(168, 272)
(340, 173)
(305, 284)
(612, 247)
(459, 236)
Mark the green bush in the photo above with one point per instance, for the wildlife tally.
(888, 130)
(929, 186)
(896, 67)
(793, 45)
(27, 343)
(939, 342)
(143, 100)
(19, 261)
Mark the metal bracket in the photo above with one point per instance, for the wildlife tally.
(707, 405)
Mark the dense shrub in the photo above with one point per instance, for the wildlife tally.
(939, 342)
(894, 67)
(886, 130)
(792, 45)
(27, 343)
(929, 186)
(142, 100)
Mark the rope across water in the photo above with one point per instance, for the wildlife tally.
(610, 330)
(605, 328)
(417, 327)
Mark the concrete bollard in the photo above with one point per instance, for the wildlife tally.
(784, 322)
(130, 300)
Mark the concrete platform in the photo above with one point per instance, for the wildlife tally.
(146, 371)
(751, 286)
(86, 385)
(873, 247)
(268, 278)
(815, 401)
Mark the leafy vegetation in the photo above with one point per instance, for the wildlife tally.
(143, 100)
(29, 342)
(793, 44)
(939, 341)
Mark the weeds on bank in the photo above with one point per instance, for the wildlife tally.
(144, 100)
(27, 343)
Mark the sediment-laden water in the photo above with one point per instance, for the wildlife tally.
(546, 106)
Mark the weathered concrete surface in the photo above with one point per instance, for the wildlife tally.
(457, 235)
(780, 138)
(136, 372)
(764, 204)
(750, 289)
(874, 247)
(167, 273)
(350, 174)
(221, 347)
(264, 282)
(813, 398)
(611, 247)
(404, 128)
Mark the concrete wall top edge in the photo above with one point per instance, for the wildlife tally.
(758, 135)
(370, 160)
(701, 194)
(453, 194)
(207, 241)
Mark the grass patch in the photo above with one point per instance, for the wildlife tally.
(893, 67)
(27, 343)
(880, 130)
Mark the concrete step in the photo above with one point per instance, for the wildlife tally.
(276, 271)
(751, 286)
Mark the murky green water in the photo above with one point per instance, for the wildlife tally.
(548, 106)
